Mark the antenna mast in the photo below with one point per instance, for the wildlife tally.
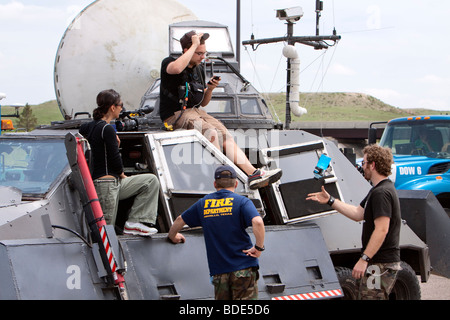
(292, 15)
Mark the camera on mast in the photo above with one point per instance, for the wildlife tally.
(290, 14)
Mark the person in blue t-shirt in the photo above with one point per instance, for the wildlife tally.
(224, 216)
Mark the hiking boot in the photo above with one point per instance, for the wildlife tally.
(261, 178)
(139, 229)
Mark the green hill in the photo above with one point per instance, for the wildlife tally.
(340, 106)
(45, 112)
(322, 107)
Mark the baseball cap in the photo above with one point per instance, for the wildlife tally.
(186, 40)
(220, 172)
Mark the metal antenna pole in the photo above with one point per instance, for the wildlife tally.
(238, 33)
(317, 41)
(319, 8)
(290, 33)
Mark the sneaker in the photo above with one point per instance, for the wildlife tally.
(261, 178)
(139, 229)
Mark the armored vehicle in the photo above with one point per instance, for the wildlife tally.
(53, 244)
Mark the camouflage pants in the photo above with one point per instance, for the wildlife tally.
(378, 281)
(237, 285)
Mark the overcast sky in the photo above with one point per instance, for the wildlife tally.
(397, 51)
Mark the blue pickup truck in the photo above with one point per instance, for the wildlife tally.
(421, 149)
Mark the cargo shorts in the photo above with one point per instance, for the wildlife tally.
(200, 120)
(378, 281)
(236, 285)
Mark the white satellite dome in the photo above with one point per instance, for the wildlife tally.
(114, 44)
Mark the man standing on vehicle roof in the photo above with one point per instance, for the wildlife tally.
(182, 94)
(380, 209)
(224, 216)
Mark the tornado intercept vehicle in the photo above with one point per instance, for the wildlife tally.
(51, 246)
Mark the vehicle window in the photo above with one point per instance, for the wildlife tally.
(219, 106)
(192, 167)
(398, 138)
(302, 172)
(250, 106)
(426, 138)
(31, 166)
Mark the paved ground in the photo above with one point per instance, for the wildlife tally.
(437, 288)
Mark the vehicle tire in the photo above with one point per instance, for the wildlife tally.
(348, 283)
(407, 285)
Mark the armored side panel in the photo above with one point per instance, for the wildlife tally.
(430, 222)
(48, 269)
(157, 269)
(295, 263)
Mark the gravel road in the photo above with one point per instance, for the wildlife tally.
(437, 288)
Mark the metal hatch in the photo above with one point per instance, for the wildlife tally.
(291, 190)
(185, 161)
(219, 41)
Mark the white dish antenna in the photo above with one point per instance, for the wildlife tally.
(114, 44)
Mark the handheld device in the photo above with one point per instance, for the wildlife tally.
(215, 78)
(322, 166)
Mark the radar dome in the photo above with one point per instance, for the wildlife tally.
(113, 44)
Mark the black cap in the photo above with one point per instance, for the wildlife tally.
(186, 40)
(221, 172)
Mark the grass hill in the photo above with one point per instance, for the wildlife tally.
(340, 106)
(322, 107)
(45, 112)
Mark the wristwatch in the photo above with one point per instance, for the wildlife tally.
(259, 248)
(365, 257)
(331, 200)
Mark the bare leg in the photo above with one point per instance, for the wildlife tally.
(213, 137)
(230, 149)
(235, 154)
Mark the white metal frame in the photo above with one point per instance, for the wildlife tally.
(158, 140)
(276, 189)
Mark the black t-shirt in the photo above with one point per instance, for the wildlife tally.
(382, 200)
(106, 157)
(170, 95)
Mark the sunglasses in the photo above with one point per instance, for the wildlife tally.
(364, 162)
